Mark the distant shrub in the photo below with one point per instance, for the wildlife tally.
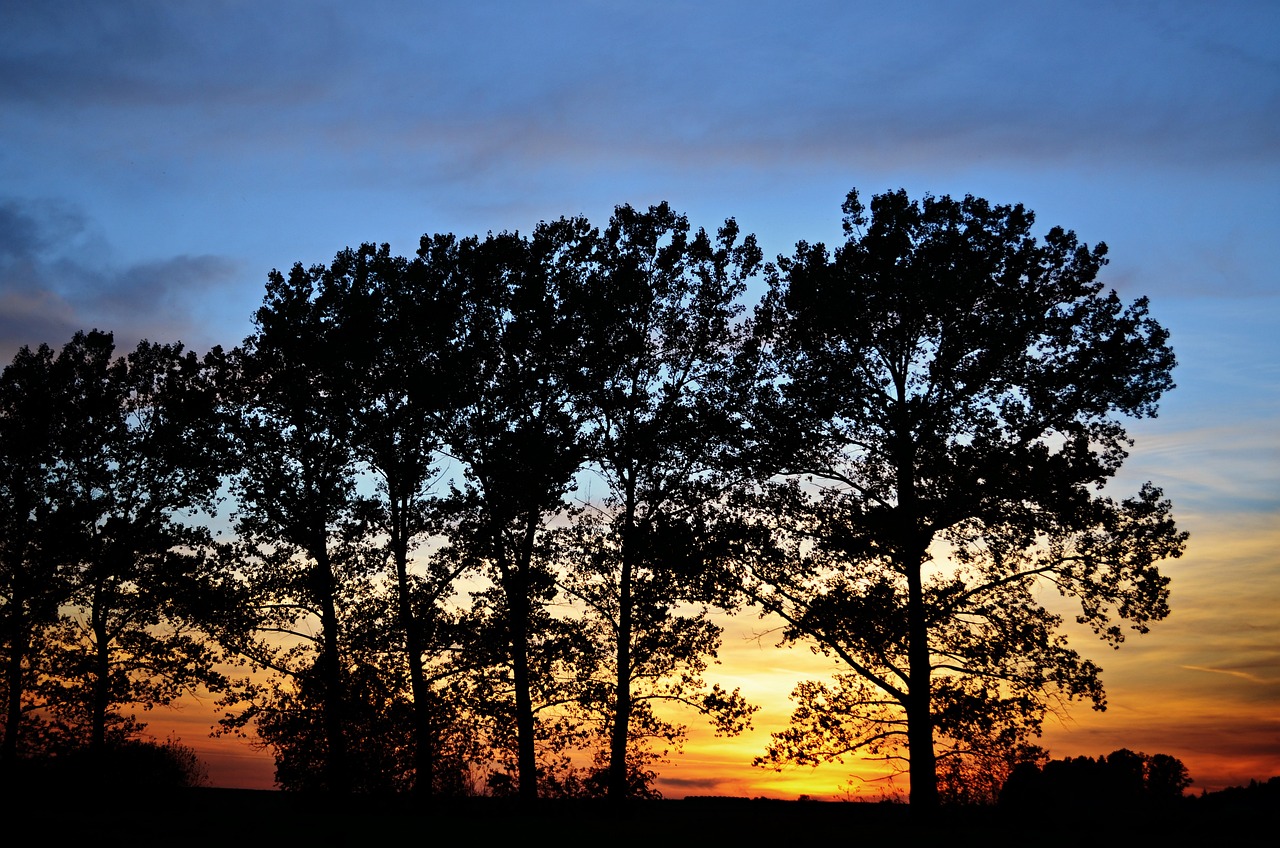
(1122, 778)
(122, 767)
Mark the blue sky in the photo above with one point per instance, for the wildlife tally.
(157, 159)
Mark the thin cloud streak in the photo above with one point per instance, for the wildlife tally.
(1244, 675)
(834, 83)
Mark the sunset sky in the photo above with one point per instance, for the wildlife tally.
(157, 159)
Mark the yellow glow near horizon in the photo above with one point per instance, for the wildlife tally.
(1202, 686)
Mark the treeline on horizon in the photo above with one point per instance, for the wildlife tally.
(483, 501)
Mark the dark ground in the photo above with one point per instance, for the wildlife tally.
(232, 817)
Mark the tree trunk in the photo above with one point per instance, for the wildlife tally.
(423, 748)
(21, 615)
(101, 694)
(526, 755)
(517, 588)
(622, 715)
(19, 645)
(337, 774)
(923, 767)
(912, 552)
(622, 698)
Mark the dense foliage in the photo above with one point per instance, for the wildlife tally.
(947, 396)
(485, 497)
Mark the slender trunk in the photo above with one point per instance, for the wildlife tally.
(423, 748)
(21, 615)
(19, 646)
(337, 774)
(101, 694)
(622, 697)
(526, 756)
(518, 600)
(912, 550)
(923, 767)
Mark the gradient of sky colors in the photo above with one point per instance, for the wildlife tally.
(157, 159)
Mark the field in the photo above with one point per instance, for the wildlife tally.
(224, 817)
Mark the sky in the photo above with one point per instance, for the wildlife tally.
(158, 159)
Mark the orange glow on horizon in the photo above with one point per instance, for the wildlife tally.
(1201, 686)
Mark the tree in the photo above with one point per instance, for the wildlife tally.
(1122, 779)
(395, 340)
(559, 659)
(664, 408)
(136, 451)
(1166, 778)
(946, 399)
(377, 725)
(518, 433)
(31, 583)
(979, 777)
(304, 548)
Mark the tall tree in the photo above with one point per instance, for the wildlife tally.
(137, 452)
(664, 407)
(31, 584)
(948, 393)
(304, 545)
(396, 339)
(519, 432)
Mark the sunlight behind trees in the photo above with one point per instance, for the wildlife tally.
(884, 456)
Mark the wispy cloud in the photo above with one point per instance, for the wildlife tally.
(557, 82)
(1243, 675)
(57, 276)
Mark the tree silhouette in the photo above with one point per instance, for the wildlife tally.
(924, 421)
(395, 338)
(31, 582)
(946, 395)
(138, 449)
(663, 411)
(1122, 779)
(1166, 778)
(518, 434)
(304, 549)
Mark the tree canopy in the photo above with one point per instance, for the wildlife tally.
(486, 497)
(947, 399)
(108, 579)
(664, 405)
